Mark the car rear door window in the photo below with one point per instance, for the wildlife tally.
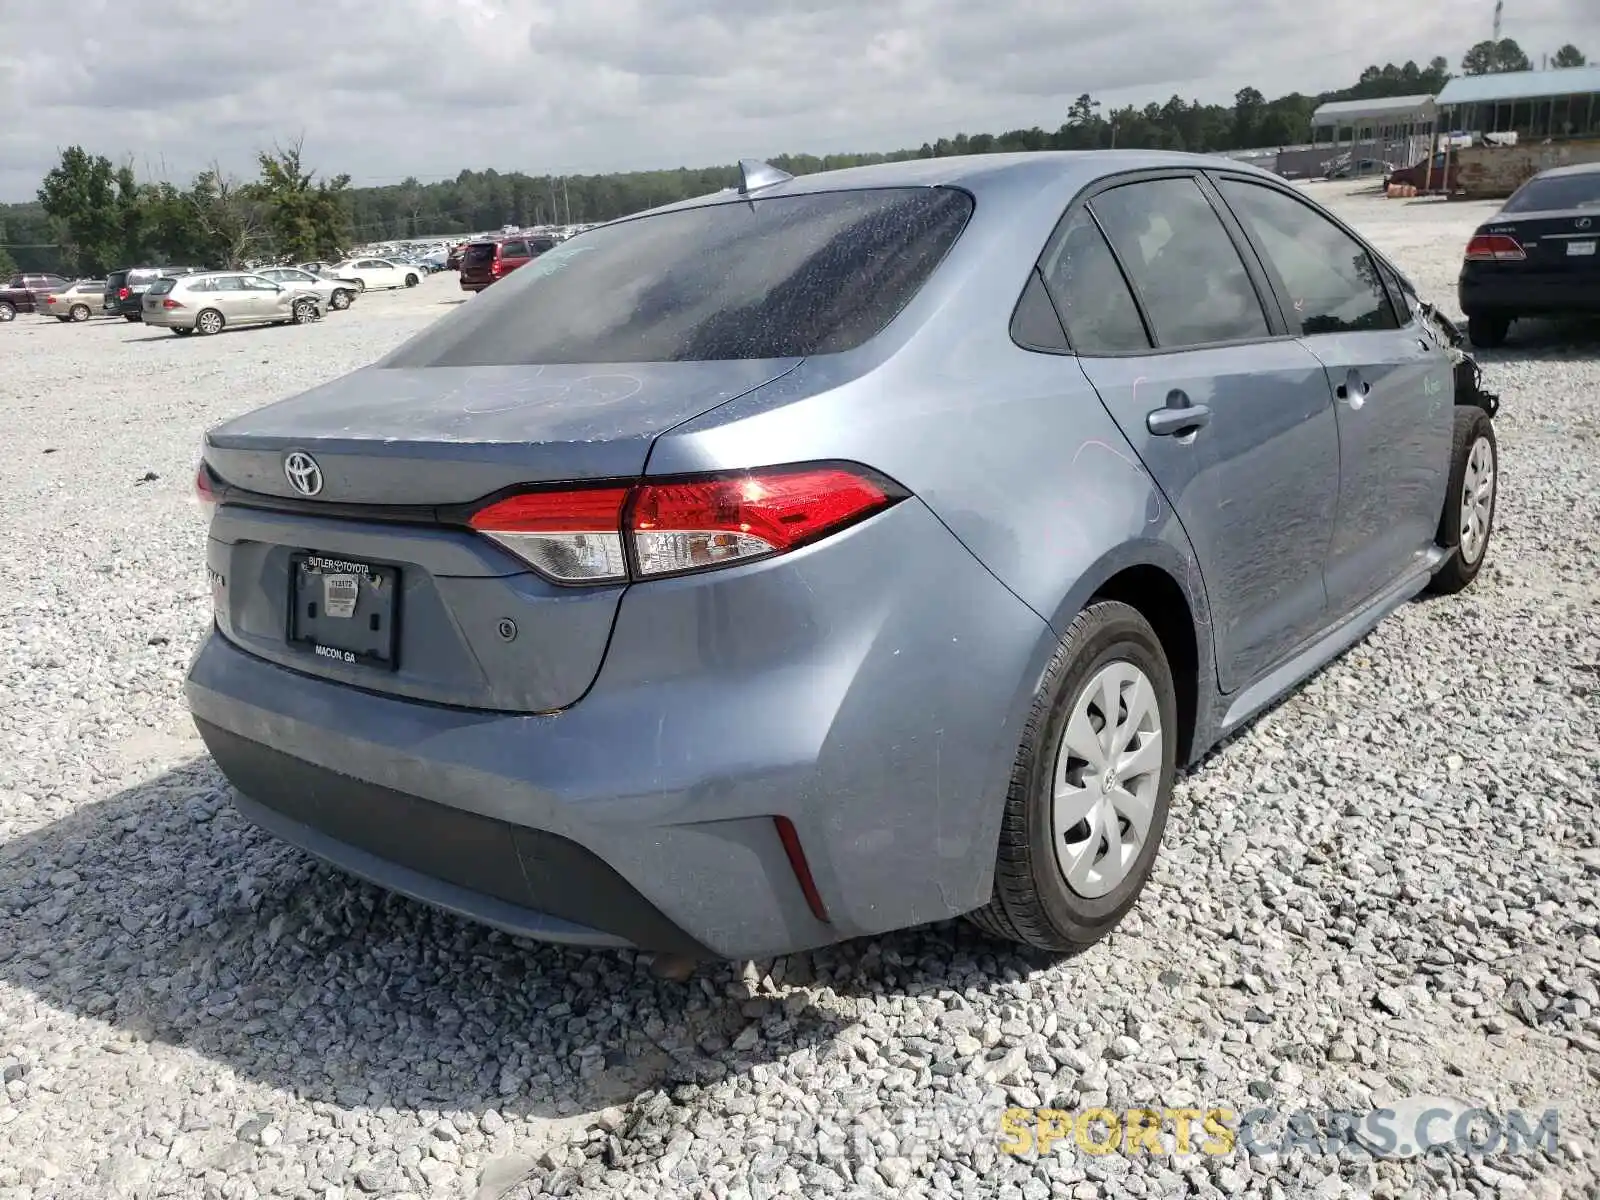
(514, 250)
(1090, 292)
(1184, 266)
(785, 276)
(1330, 283)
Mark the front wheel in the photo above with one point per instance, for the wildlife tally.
(411, 281)
(1469, 504)
(1090, 787)
(304, 312)
(1488, 330)
(340, 300)
(361, 285)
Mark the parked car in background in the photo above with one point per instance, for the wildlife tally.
(452, 261)
(77, 302)
(367, 273)
(335, 294)
(313, 268)
(597, 611)
(21, 293)
(1536, 257)
(125, 289)
(208, 303)
(1428, 175)
(487, 261)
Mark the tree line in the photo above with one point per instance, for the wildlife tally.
(91, 216)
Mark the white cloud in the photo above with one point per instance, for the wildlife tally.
(388, 88)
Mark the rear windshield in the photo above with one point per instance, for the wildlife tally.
(1557, 193)
(479, 252)
(161, 287)
(783, 277)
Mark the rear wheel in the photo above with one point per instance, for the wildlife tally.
(1090, 788)
(63, 320)
(411, 281)
(8, 311)
(1488, 330)
(79, 312)
(340, 300)
(181, 331)
(209, 321)
(1469, 504)
(131, 317)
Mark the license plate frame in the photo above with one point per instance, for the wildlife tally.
(363, 628)
(1581, 249)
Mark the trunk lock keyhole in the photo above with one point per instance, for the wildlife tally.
(507, 629)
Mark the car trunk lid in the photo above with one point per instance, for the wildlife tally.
(1566, 240)
(447, 435)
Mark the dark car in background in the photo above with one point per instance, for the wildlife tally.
(125, 289)
(21, 293)
(484, 262)
(1537, 256)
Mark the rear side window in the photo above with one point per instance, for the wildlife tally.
(1182, 262)
(1555, 193)
(513, 249)
(162, 286)
(1331, 283)
(782, 277)
(1090, 292)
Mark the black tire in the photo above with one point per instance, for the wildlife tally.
(63, 320)
(361, 285)
(8, 311)
(132, 317)
(180, 331)
(304, 312)
(1472, 426)
(340, 300)
(1033, 903)
(204, 324)
(78, 312)
(1488, 330)
(411, 281)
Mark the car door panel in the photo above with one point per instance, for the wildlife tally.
(1254, 486)
(1392, 383)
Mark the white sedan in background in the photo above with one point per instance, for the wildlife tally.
(376, 273)
(336, 294)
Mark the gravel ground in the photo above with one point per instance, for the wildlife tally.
(1385, 888)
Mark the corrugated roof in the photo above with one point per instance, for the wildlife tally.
(1345, 111)
(1520, 85)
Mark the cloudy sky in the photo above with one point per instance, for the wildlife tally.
(383, 89)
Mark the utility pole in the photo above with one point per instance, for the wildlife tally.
(1499, 11)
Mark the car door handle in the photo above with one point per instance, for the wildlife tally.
(1177, 419)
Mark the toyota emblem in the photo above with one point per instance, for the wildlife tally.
(302, 472)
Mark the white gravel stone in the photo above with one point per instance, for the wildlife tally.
(1384, 887)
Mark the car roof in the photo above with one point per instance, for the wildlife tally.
(1019, 173)
(1589, 168)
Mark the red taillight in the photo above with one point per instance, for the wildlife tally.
(684, 526)
(1495, 247)
(49, 300)
(169, 302)
(123, 293)
(496, 267)
(577, 536)
(204, 490)
(573, 536)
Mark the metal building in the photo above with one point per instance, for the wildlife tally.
(1359, 135)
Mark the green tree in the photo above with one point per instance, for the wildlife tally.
(1247, 106)
(1569, 56)
(8, 265)
(80, 194)
(1495, 58)
(306, 216)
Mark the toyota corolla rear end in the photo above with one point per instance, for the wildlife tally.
(469, 646)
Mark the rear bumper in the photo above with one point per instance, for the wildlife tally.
(161, 318)
(475, 285)
(1529, 293)
(879, 716)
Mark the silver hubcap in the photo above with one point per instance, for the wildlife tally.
(1477, 499)
(1107, 776)
(209, 323)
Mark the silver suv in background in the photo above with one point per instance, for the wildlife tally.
(336, 294)
(211, 302)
